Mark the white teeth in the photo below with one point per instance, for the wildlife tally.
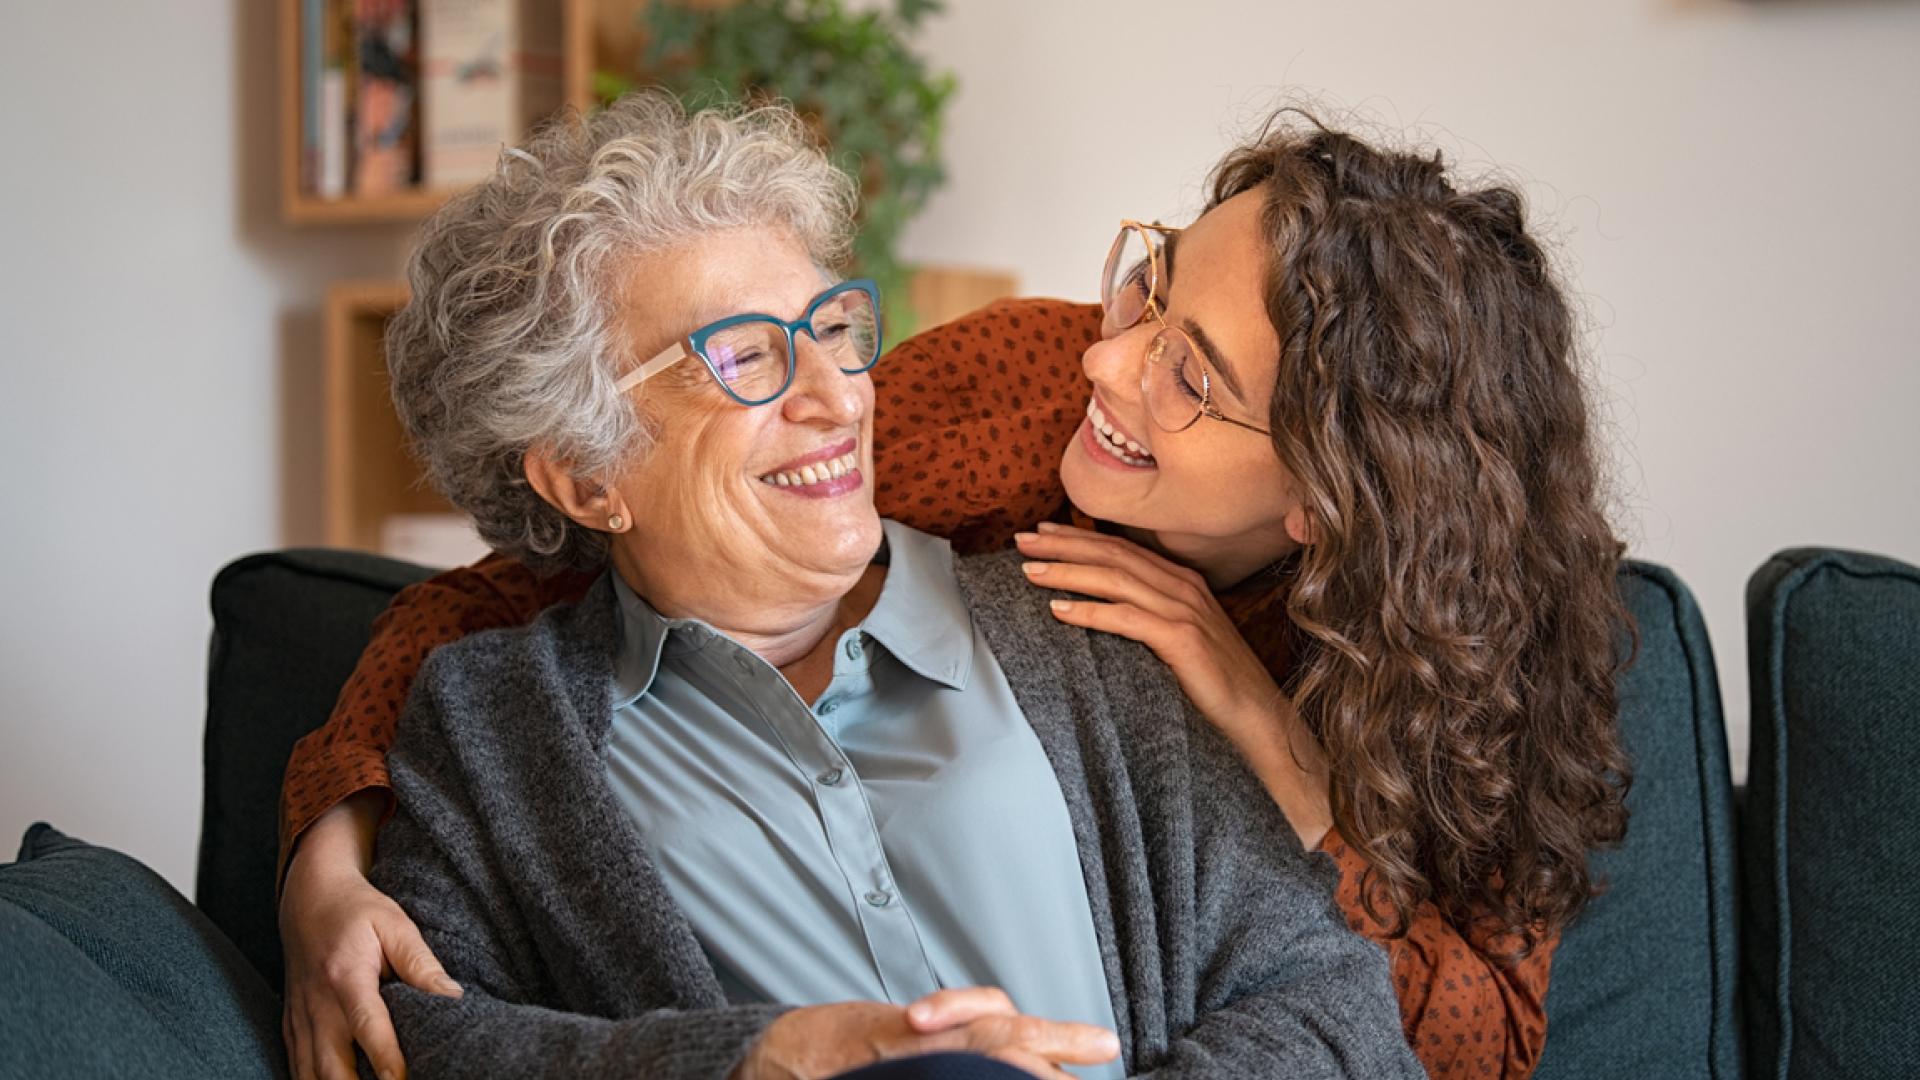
(818, 473)
(1125, 449)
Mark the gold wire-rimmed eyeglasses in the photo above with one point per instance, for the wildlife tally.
(1176, 382)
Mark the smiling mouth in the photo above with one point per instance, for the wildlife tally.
(820, 472)
(1114, 441)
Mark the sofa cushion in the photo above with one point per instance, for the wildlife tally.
(288, 627)
(106, 970)
(1643, 984)
(1831, 836)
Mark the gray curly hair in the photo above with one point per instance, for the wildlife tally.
(511, 338)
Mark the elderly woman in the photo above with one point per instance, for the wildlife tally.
(789, 779)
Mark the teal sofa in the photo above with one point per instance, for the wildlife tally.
(1830, 836)
(1768, 943)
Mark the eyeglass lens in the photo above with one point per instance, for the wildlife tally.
(1174, 382)
(752, 357)
(1129, 279)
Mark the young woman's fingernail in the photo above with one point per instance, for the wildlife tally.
(1034, 569)
(919, 1014)
(1048, 526)
(1060, 605)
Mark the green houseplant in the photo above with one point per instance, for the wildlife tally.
(850, 73)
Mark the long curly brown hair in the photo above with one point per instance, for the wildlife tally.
(1461, 623)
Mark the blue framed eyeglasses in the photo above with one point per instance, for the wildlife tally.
(753, 356)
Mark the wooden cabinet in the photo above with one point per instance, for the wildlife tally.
(368, 473)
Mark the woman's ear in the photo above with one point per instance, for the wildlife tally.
(1300, 527)
(593, 505)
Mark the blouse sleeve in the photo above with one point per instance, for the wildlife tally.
(347, 754)
(1465, 1014)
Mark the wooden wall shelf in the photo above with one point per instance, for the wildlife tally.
(299, 208)
(367, 472)
(593, 33)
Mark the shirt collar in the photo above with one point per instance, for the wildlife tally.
(920, 617)
(643, 636)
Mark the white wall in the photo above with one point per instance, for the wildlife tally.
(1734, 181)
(1732, 184)
(158, 331)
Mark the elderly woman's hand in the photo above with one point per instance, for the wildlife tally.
(1171, 610)
(340, 936)
(825, 1040)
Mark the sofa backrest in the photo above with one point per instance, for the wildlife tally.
(1831, 838)
(288, 627)
(1644, 983)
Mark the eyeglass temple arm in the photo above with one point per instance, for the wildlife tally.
(1209, 409)
(667, 357)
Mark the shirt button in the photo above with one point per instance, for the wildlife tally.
(831, 777)
(829, 707)
(853, 648)
(879, 898)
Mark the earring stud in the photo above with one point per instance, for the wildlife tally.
(616, 523)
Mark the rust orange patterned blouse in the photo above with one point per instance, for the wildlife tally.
(972, 418)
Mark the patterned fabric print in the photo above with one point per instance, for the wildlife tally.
(971, 419)
(1464, 1015)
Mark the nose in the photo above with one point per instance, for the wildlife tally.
(821, 392)
(1114, 363)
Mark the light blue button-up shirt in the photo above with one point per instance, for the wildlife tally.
(904, 834)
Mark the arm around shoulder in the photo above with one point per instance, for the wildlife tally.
(347, 754)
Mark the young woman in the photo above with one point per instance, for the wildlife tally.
(1335, 449)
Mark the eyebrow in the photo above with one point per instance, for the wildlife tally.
(1215, 357)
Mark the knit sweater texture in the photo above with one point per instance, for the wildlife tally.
(1223, 950)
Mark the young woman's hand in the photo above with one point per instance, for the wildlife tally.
(341, 936)
(1169, 608)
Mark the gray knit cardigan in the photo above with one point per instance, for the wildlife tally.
(1223, 950)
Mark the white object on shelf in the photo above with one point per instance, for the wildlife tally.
(437, 540)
